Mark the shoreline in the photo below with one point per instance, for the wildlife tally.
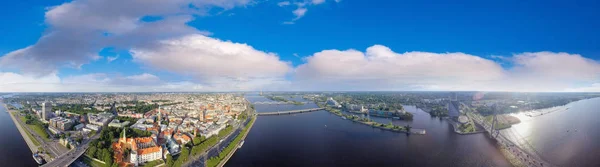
(224, 161)
(25, 136)
(421, 131)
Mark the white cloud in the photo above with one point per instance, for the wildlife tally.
(110, 59)
(382, 68)
(299, 13)
(78, 30)
(98, 82)
(212, 61)
(283, 3)
(338, 1)
(302, 8)
(316, 2)
(379, 68)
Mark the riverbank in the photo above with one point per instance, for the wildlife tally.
(503, 121)
(31, 142)
(457, 129)
(388, 127)
(237, 141)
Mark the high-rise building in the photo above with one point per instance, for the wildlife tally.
(46, 109)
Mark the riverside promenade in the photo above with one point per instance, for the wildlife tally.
(224, 161)
(23, 132)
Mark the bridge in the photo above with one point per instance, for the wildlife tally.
(525, 157)
(289, 112)
(276, 102)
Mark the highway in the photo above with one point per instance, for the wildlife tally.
(200, 160)
(70, 156)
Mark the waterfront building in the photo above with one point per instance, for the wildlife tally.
(333, 103)
(453, 108)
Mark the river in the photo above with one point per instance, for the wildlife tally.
(566, 137)
(13, 149)
(323, 139)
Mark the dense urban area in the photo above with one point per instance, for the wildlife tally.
(131, 129)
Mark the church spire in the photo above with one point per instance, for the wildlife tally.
(124, 135)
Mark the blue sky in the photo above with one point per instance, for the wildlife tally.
(433, 45)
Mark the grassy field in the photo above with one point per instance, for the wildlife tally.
(153, 163)
(467, 128)
(40, 131)
(88, 161)
(504, 121)
(35, 141)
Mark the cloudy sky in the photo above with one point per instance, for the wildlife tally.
(338, 45)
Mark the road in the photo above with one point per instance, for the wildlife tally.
(49, 146)
(70, 156)
(200, 160)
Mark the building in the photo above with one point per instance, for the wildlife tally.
(333, 103)
(61, 123)
(100, 119)
(68, 142)
(453, 109)
(181, 138)
(46, 110)
(143, 149)
(93, 127)
(118, 124)
(79, 126)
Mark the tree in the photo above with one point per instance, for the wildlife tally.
(107, 157)
(169, 160)
(91, 151)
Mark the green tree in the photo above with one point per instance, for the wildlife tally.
(91, 151)
(107, 157)
(169, 160)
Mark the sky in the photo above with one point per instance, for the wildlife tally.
(302, 45)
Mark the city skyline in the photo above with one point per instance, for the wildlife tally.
(311, 45)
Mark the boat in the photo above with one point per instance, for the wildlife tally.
(343, 117)
(241, 144)
(38, 158)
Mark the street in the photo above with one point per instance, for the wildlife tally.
(67, 158)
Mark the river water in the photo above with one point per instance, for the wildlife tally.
(13, 149)
(323, 139)
(569, 136)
